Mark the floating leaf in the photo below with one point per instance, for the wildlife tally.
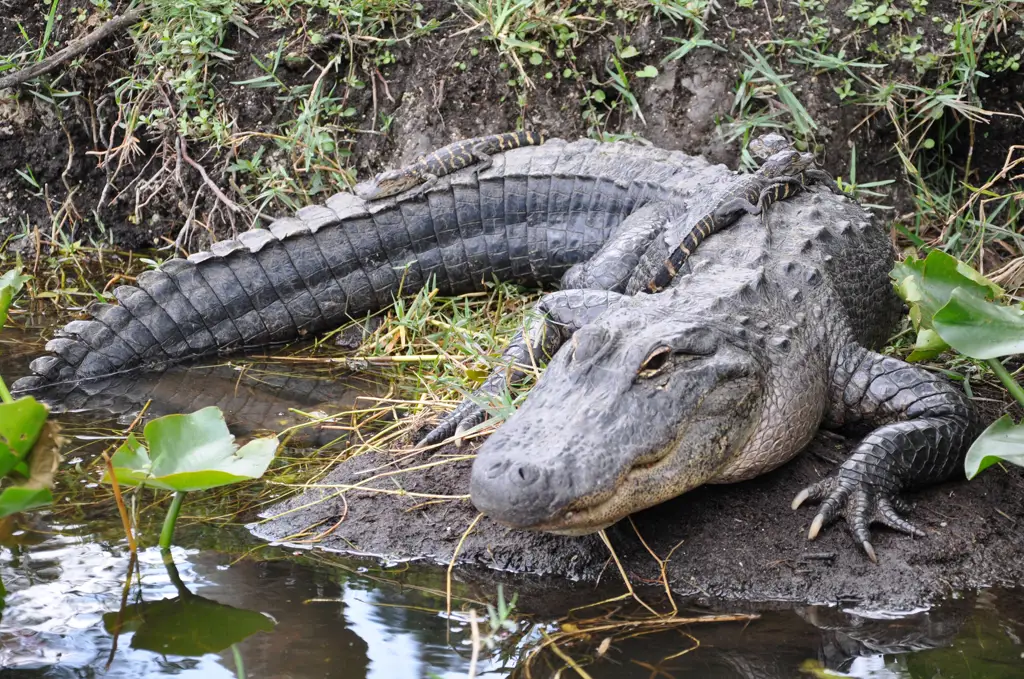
(187, 625)
(927, 346)
(1003, 440)
(978, 328)
(647, 72)
(927, 285)
(20, 425)
(16, 499)
(190, 452)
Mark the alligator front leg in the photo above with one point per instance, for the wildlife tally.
(922, 426)
(780, 189)
(553, 321)
(620, 259)
(816, 176)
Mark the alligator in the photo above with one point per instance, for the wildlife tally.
(785, 172)
(723, 376)
(424, 172)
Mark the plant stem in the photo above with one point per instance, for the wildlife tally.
(121, 509)
(239, 665)
(172, 518)
(1006, 378)
(5, 396)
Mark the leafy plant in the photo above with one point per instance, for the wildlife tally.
(28, 444)
(954, 306)
(186, 453)
(22, 425)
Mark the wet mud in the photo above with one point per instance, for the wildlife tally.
(732, 542)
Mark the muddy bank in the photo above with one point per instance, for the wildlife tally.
(737, 541)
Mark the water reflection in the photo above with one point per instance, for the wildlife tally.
(347, 621)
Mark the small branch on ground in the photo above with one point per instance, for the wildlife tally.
(228, 203)
(74, 48)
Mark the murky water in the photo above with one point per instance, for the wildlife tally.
(357, 620)
(226, 605)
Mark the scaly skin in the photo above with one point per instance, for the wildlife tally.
(456, 156)
(722, 376)
(784, 173)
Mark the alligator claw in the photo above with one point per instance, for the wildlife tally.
(467, 414)
(471, 419)
(860, 505)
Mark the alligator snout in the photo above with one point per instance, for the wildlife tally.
(513, 492)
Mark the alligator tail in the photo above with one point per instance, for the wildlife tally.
(267, 287)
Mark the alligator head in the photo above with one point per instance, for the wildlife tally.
(646, 403)
(388, 183)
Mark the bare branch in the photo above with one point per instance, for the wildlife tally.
(73, 49)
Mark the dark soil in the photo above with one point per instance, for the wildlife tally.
(432, 102)
(738, 541)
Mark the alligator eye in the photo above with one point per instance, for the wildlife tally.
(656, 362)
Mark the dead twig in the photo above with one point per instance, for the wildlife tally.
(228, 203)
(74, 48)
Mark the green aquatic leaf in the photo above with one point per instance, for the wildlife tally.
(190, 452)
(1002, 441)
(16, 499)
(20, 425)
(929, 283)
(927, 346)
(978, 328)
(39, 469)
(10, 285)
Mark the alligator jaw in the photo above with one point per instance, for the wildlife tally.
(587, 516)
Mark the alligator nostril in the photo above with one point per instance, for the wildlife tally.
(525, 475)
(496, 469)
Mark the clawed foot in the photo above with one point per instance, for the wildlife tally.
(465, 416)
(860, 505)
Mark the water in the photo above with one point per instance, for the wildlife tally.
(227, 602)
(355, 619)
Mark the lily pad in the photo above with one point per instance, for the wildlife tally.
(16, 499)
(978, 328)
(20, 425)
(927, 346)
(187, 624)
(1002, 441)
(927, 285)
(190, 452)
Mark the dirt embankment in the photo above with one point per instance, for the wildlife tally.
(79, 163)
(739, 541)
